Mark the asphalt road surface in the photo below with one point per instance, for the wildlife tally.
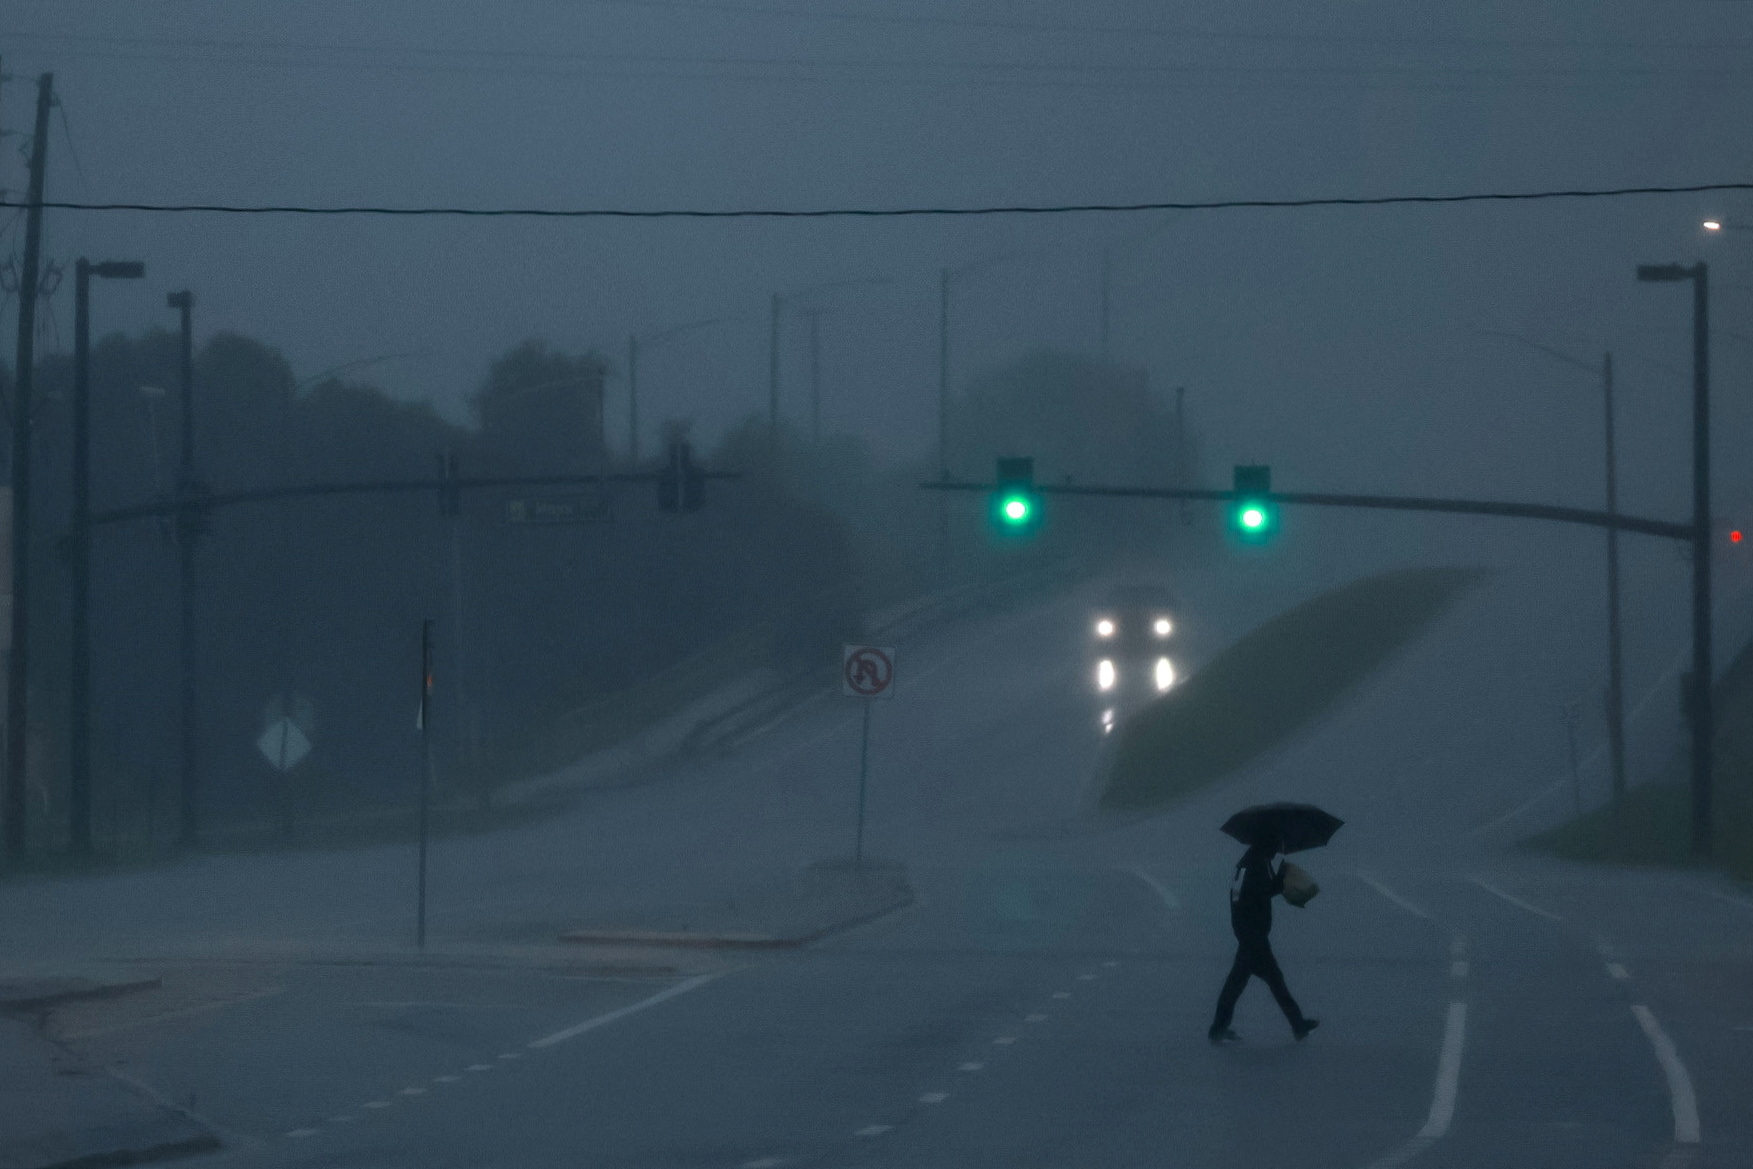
(1043, 1003)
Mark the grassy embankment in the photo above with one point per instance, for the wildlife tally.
(1651, 825)
(1270, 685)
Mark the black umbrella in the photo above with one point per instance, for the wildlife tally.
(1293, 827)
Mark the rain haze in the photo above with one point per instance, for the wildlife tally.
(657, 686)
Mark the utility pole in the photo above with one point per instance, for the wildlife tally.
(1698, 700)
(18, 661)
(632, 399)
(79, 555)
(1107, 278)
(188, 531)
(943, 418)
(1615, 670)
(815, 319)
(773, 373)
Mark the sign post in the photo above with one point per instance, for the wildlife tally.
(425, 775)
(867, 672)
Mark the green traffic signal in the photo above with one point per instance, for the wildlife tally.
(1016, 509)
(1015, 506)
(1253, 515)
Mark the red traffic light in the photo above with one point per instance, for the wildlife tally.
(1735, 536)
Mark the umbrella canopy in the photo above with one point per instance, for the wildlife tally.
(1293, 826)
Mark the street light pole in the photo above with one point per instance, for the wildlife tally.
(1615, 658)
(773, 371)
(188, 528)
(79, 675)
(815, 319)
(632, 399)
(1699, 691)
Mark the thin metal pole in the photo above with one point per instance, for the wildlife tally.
(815, 377)
(1703, 722)
(1107, 279)
(188, 529)
(863, 782)
(1615, 660)
(943, 417)
(773, 372)
(24, 370)
(633, 399)
(79, 557)
(425, 774)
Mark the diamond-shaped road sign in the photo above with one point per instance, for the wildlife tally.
(283, 744)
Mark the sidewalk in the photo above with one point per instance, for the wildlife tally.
(57, 1112)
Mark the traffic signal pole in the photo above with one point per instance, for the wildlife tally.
(24, 371)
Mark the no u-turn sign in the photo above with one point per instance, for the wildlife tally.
(867, 671)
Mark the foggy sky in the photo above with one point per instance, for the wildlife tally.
(1342, 346)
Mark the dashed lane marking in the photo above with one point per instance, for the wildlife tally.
(1110, 965)
(1457, 947)
(509, 1054)
(1062, 994)
(873, 1130)
(603, 1020)
(934, 1097)
(1086, 978)
(412, 1092)
(377, 1104)
(974, 1066)
(1514, 900)
(301, 1133)
(764, 1163)
(1037, 1017)
(1615, 970)
(445, 1079)
(342, 1119)
(1458, 969)
(1005, 1040)
(1680, 1093)
(479, 1067)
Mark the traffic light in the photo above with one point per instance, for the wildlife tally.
(1016, 508)
(450, 498)
(680, 485)
(1253, 515)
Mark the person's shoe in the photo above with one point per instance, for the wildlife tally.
(1221, 1036)
(1302, 1029)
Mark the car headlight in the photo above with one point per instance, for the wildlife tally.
(1165, 674)
(1105, 675)
(1162, 627)
(1105, 627)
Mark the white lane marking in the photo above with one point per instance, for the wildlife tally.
(1110, 965)
(764, 1163)
(479, 1067)
(1004, 1040)
(412, 1092)
(1605, 949)
(377, 1104)
(1457, 947)
(1409, 907)
(1037, 1017)
(1685, 1101)
(1615, 970)
(1514, 900)
(604, 1020)
(1086, 978)
(300, 1133)
(1157, 887)
(1457, 969)
(200, 1009)
(342, 1119)
(1442, 1103)
(445, 1079)
(974, 1066)
(873, 1130)
(1062, 994)
(934, 1097)
(509, 1054)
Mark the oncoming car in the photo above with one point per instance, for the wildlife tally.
(1130, 635)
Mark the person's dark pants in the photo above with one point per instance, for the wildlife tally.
(1254, 959)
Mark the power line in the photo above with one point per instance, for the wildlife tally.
(886, 212)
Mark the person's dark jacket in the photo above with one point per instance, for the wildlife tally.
(1257, 882)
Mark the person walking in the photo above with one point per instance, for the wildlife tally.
(1256, 883)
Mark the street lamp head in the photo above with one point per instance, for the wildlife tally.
(183, 299)
(1661, 273)
(119, 269)
(1712, 225)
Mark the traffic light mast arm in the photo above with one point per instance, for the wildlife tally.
(1531, 511)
